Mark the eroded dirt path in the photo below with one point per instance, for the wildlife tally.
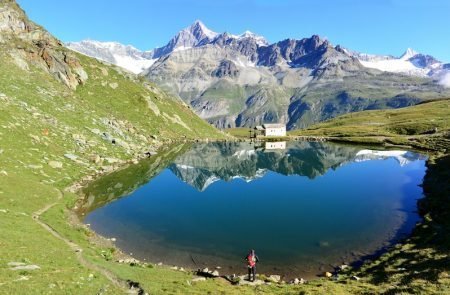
(124, 285)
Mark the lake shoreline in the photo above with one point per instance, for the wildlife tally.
(100, 240)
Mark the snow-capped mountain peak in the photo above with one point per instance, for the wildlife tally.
(199, 26)
(192, 36)
(252, 46)
(260, 40)
(409, 53)
(125, 56)
(410, 63)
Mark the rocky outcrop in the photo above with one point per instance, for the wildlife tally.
(30, 44)
(226, 69)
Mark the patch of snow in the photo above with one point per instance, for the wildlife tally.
(210, 181)
(395, 66)
(408, 54)
(185, 167)
(260, 40)
(366, 155)
(210, 34)
(410, 63)
(181, 48)
(125, 56)
(134, 65)
(244, 154)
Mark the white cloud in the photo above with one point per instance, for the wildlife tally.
(445, 80)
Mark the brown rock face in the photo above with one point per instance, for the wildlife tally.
(25, 40)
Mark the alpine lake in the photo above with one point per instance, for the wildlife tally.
(305, 207)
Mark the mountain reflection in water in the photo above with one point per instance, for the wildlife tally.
(205, 164)
(304, 205)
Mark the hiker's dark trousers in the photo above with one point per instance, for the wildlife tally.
(251, 271)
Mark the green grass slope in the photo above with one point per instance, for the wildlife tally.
(425, 126)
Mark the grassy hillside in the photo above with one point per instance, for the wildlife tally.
(426, 126)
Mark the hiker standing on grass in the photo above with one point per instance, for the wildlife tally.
(251, 259)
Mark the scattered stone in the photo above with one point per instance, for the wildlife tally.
(14, 264)
(295, 281)
(174, 268)
(55, 164)
(71, 157)
(274, 278)
(35, 138)
(4, 173)
(160, 264)
(129, 261)
(401, 269)
(343, 267)
(198, 279)
(26, 267)
(1, 151)
(242, 280)
(150, 153)
(112, 160)
(22, 278)
(328, 274)
(215, 273)
(35, 166)
(3, 211)
(218, 267)
(356, 278)
(142, 138)
(113, 85)
(112, 239)
(95, 159)
(108, 137)
(205, 270)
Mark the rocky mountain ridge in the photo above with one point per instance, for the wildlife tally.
(242, 80)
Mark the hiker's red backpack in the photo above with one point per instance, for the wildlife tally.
(251, 260)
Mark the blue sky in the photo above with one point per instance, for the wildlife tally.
(372, 26)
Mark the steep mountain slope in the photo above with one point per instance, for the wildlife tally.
(243, 80)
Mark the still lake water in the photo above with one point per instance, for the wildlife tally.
(304, 207)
